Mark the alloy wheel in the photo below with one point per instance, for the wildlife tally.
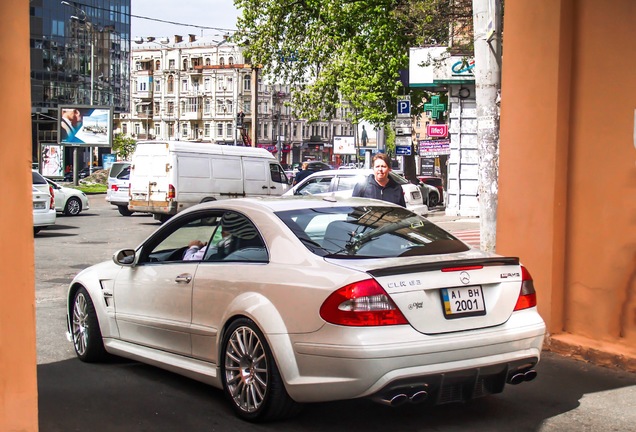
(80, 324)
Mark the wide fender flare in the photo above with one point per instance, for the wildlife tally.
(266, 316)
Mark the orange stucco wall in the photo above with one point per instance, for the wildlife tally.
(18, 385)
(567, 195)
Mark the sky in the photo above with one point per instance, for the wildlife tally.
(220, 14)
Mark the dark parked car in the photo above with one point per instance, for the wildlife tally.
(314, 166)
(83, 173)
(434, 181)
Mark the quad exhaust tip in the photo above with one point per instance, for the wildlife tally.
(520, 377)
(402, 398)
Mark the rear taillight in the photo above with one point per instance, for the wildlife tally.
(52, 202)
(171, 192)
(362, 303)
(527, 296)
(114, 188)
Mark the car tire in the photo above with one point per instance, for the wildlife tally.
(73, 207)
(433, 199)
(123, 210)
(36, 230)
(87, 336)
(251, 380)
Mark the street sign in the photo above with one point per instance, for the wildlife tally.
(402, 141)
(403, 150)
(402, 122)
(404, 131)
(437, 130)
(404, 106)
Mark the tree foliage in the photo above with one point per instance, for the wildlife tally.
(124, 146)
(346, 53)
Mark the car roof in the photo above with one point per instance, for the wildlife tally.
(276, 204)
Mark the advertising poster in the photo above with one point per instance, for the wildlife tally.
(344, 145)
(52, 160)
(85, 126)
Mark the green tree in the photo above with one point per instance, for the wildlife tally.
(124, 146)
(347, 53)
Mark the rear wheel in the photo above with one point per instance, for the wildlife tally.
(123, 210)
(433, 199)
(73, 207)
(251, 380)
(87, 337)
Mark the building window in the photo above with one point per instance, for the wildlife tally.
(157, 130)
(219, 83)
(206, 129)
(158, 85)
(228, 106)
(142, 86)
(230, 84)
(124, 128)
(207, 61)
(170, 108)
(185, 64)
(157, 107)
(219, 107)
(171, 63)
(170, 84)
(206, 84)
(230, 61)
(137, 129)
(206, 107)
(184, 130)
(247, 82)
(219, 130)
(157, 65)
(222, 61)
(183, 109)
(229, 130)
(184, 85)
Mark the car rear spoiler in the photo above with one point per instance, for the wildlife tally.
(416, 268)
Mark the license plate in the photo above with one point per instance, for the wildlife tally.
(39, 205)
(463, 301)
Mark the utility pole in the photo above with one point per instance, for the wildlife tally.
(487, 31)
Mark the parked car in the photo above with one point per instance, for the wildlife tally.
(435, 182)
(430, 194)
(43, 209)
(40, 183)
(83, 173)
(318, 166)
(376, 302)
(119, 186)
(341, 183)
(69, 201)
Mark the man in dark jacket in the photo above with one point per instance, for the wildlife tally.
(380, 185)
(301, 174)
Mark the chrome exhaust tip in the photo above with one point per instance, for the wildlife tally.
(530, 375)
(398, 400)
(517, 378)
(419, 396)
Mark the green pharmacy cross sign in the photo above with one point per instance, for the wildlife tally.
(435, 107)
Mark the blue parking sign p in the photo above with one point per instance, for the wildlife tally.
(404, 107)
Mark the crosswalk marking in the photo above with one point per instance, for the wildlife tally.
(472, 237)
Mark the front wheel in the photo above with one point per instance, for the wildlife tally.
(251, 380)
(87, 337)
(73, 207)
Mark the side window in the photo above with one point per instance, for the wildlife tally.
(236, 239)
(172, 246)
(315, 186)
(348, 182)
(277, 174)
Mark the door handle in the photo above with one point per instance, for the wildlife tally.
(264, 187)
(272, 187)
(183, 278)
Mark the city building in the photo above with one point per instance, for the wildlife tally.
(203, 89)
(80, 55)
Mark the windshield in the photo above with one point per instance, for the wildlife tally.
(369, 232)
(398, 178)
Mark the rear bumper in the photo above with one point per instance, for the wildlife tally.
(155, 207)
(44, 219)
(373, 362)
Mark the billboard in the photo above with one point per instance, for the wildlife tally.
(344, 145)
(83, 125)
(52, 162)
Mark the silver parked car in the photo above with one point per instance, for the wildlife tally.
(119, 187)
(311, 299)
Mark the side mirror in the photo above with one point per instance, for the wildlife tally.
(124, 257)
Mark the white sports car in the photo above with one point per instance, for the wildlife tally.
(297, 300)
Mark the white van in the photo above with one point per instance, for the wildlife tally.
(167, 177)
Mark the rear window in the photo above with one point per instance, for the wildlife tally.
(124, 174)
(117, 168)
(369, 232)
(37, 178)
